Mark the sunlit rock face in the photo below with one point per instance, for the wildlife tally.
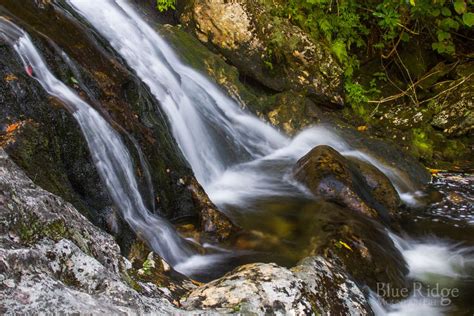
(314, 286)
(271, 50)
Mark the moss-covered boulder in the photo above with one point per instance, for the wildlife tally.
(454, 103)
(381, 188)
(433, 119)
(268, 49)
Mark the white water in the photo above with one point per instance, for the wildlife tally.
(108, 151)
(234, 155)
(434, 260)
(439, 265)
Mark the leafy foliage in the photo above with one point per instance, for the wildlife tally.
(163, 5)
(357, 29)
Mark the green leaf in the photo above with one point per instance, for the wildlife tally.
(412, 2)
(442, 35)
(468, 19)
(405, 37)
(435, 12)
(459, 6)
(339, 49)
(445, 11)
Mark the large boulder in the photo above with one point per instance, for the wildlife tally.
(53, 260)
(330, 175)
(454, 103)
(314, 287)
(269, 49)
(289, 111)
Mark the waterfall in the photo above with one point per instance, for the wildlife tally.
(230, 151)
(109, 153)
(210, 128)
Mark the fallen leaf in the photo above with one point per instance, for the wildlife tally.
(362, 128)
(10, 77)
(435, 171)
(345, 245)
(12, 127)
(29, 70)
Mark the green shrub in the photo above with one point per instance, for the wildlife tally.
(357, 30)
(163, 5)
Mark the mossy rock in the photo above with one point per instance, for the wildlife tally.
(271, 50)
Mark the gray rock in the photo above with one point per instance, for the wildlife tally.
(53, 259)
(335, 291)
(313, 287)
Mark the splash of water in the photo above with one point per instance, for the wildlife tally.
(108, 151)
(435, 262)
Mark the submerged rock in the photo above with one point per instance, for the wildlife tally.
(330, 175)
(313, 287)
(266, 48)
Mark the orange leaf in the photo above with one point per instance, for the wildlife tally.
(12, 127)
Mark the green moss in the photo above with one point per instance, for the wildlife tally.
(199, 57)
(31, 230)
(422, 144)
(131, 282)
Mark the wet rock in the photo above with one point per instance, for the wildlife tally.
(330, 175)
(55, 260)
(266, 48)
(263, 288)
(211, 220)
(292, 112)
(382, 189)
(50, 146)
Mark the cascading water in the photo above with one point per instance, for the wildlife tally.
(108, 151)
(211, 130)
(229, 150)
(436, 268)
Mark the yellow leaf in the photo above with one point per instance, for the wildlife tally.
(412, 2)
(345, 245)
(362, 128)
(10, 77)
(435, 171)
